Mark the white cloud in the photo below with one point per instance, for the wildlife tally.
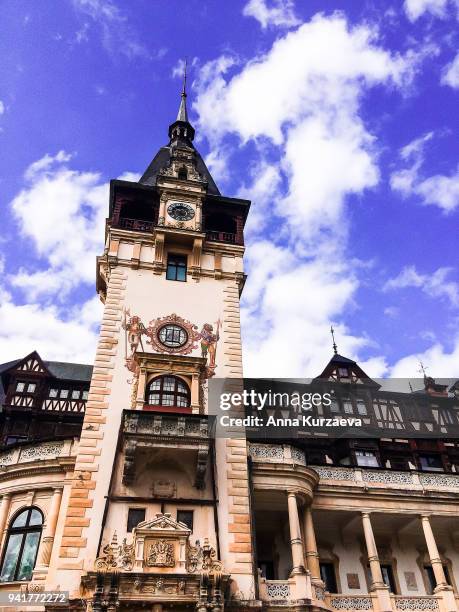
(415, 8)
(26, 327)
(437, 190)
(62, 211)
(451, 74)
(435, 285)
(280, 14)
(299, 106)
(2, 107)
(441, 362)
(116, 33)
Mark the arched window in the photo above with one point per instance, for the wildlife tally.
(182, 174)
(21, 547)
(168, 391)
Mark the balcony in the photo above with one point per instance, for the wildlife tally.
(136, 225)
(357, 478)
(142, 431)
(227, 237)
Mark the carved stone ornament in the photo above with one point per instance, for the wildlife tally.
(155, 326)
(161, 554)
(116, 555)
(203, 558)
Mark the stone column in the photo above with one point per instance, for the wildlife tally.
(295, 535)
(4, 510)
(46, 546)
(198, 225)
(195, 406)
(312, 556)
(442, 588)
(141, 387)
(377, 582)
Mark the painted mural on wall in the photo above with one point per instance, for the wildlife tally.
(172, 335)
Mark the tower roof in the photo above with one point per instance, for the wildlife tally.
(181, 135)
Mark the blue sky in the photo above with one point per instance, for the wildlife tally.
(338, 119)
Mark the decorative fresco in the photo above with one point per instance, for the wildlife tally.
(172, 335)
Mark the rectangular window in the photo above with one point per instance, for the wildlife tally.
(135, 516)
(85, 395)
(76, 394)
(53, 392)
(366, 459)
(31, 388)
(431, 463)
(185, 516)
(64, 393)
(20, 387)
(361, 407)
(388, 577)
(431, 577)
(176, 267)
(327, 573)
(15, 439)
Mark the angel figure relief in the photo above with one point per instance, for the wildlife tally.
(134, 329)
(209, 341)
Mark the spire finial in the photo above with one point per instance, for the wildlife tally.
(422, 369)
(184, 77)
(335, 348)
(182, 114)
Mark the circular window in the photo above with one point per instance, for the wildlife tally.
(172, 336)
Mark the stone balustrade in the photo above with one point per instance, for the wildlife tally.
(415, 604)
(42, 451)
(276, 453)
(387, 478)
(355, 476)
(275, 590)
(350, 602)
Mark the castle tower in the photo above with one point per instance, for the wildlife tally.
(152, 494)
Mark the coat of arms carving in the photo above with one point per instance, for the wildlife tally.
(161, 554)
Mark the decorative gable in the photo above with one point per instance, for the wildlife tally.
(32, 364)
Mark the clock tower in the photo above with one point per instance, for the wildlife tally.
(156, 503)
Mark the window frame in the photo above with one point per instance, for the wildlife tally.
(175, 393)
(23, 531)
(180, 263)
(329, 565)
(182, 510)
(144, 510)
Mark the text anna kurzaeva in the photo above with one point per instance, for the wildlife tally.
(297, 403)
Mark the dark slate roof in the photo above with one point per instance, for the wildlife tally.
(340, 359)
(59, 369)
(161, 160)
(70, 371)
(9, 364)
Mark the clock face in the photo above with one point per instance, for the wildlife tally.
(180, 211)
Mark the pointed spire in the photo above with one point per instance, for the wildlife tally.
(335, 348)
(182, 114)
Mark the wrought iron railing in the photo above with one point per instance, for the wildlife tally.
(137, 225)
(221, 236)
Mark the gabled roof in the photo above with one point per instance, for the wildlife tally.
(356, 374)
(58, 369)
